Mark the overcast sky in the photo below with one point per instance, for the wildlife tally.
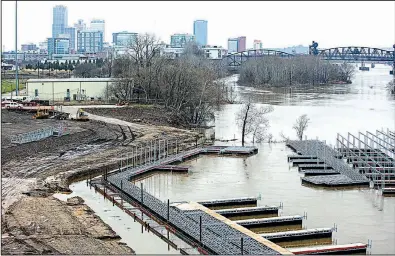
(277, 24)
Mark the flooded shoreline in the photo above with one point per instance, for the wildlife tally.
(359, 214)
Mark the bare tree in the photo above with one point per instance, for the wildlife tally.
(86, 70)
(391, 86)
(252, 120)
(301, 125)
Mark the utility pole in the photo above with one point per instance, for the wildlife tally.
(16, 50)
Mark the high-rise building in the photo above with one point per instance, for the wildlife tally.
(80, 25)
(89, 41)
(200, 31)
(180, 40)
(98, 25)
(241, 44)
(60, 20)
(257, 44)
(58, 46)
(72, 36)
(123, 38)
(233, 45)
(28, 47)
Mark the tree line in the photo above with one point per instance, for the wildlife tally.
(188, 86)
(298, 70)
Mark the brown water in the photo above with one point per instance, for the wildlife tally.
(359, 214)
(131, 232)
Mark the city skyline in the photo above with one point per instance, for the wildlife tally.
(300, 28)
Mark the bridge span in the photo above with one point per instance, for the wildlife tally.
(343, 54)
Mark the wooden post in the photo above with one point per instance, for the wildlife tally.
(121, 184)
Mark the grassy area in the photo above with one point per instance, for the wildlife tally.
(9, 85)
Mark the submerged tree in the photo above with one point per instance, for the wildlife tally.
(252, 120)
(301, 125)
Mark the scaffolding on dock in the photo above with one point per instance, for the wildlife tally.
(370, 154)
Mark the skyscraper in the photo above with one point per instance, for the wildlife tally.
(60, 20)
(98, 25)
(200, 31)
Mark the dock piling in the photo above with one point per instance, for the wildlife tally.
(168, 210)
(200, 225)
(242, 245)
(142, 193)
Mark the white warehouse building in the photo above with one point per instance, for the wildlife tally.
(69, 89)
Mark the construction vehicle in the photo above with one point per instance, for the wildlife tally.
(41, 114)
(81, 115)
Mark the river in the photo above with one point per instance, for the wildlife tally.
(359, 214)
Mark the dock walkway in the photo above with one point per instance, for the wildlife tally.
(332, 159)
(215, 235)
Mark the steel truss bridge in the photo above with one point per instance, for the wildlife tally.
(343, 54)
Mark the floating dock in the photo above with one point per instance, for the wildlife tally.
(318, 172)
(314, 166)
(306, 161)
(212, 235)
(297, 238)
(371, 154)
(357, 248)
(275, 224)
(249, 212)
(173, 168)
(230, 203)
(332, 160)
(388, 191)
(295, 157)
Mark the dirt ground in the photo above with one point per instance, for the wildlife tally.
(32, 172)
(146, 114)
(31, 228)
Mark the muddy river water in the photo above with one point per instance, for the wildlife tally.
(359, 214)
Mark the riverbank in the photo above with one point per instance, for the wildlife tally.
(46, 225)
(33, 172)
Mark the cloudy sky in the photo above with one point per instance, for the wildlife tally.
(277, 24)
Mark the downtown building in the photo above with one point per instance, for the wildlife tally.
(200, 32)
(237, 44)
(180, 40)
(58, 46)
(123, 39)
(29, 47)
(257, 44)
(98, 25)
(60, 19)
(89, 41)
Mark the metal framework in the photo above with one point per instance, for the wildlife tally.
(357, 53)
(214, 234)
(238, 58)
(371, 154)
(330, 157)
(346, 53)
